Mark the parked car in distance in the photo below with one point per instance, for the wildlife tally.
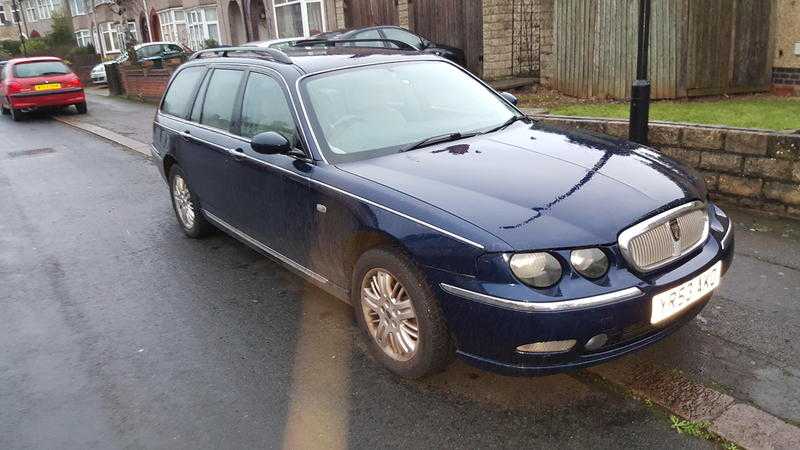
(40, 82)
(144, 52)
(279, 44)
(453, 224)
(394, 33)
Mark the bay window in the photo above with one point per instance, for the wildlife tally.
(78, 7)
(46, 8)
(110, 37)
(173, 25)
(30, 11)
(202, 24)
(83, 38)
(294, 18)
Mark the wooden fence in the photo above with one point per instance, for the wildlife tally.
(697, 47)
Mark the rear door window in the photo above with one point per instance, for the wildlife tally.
(181, 91)
(40, 69)
(265, 108)
(221, 98)
(396, 34)
(369, 34)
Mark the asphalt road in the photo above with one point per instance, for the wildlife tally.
(116, 331)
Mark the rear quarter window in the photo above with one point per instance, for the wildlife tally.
(179, 95)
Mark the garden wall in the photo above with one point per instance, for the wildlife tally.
(148, 81)
(749, 168)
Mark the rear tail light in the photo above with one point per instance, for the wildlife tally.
(73, 82)
(13, 87)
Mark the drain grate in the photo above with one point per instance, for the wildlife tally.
(31, 152)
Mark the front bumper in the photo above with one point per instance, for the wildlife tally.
(64, 97)
(488, 333)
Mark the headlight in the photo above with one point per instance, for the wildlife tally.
(589, 262)
(539, 270)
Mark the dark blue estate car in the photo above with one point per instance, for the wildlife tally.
(453, 224)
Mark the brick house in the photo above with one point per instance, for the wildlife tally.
(35, 17)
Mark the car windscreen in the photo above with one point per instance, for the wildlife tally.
(368, 111)
(40, 69)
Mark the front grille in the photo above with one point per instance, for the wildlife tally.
(666, 237)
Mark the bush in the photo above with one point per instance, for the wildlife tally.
(11, 46)
(37, 47)
(4, 55)
(210, 43)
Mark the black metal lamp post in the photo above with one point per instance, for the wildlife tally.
(16, 13)
(640, 91)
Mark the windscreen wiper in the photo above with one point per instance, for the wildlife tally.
(507, 123)
(449, 137)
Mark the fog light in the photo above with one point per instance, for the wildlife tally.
(547, 347)
(596, 342)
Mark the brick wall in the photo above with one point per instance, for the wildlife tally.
(517, 37)
(786, 80)
(750, 168)
(147, 82)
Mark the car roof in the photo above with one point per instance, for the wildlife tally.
(34, 59)
(137, 47)
(272, 41)
(310, 60)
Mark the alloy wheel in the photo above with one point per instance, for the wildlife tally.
(389, 314)
(183, 202)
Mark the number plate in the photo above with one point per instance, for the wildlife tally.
(47, 87)
(677, 299)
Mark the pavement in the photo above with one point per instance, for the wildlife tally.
(119, 332)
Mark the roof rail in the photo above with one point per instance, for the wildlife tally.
(275, 54)
(333, 43)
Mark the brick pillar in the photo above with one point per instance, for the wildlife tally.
(497, 38)
(402, 13)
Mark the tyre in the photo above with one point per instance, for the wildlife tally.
(186, 205)
(81, 107)
(398, 313)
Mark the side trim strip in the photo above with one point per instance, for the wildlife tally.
(257, 244)
(567, 305)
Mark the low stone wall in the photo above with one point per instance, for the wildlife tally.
(750, 168)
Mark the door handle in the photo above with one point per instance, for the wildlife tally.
(238, 154)
(186, 135)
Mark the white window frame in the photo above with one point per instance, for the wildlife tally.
(110, 28)
(31, 11)
(78, 7)
(46, 8)
(131, 25)
(199, 29)
(303, 14)
(83, 37)
(12, 19)
(172, 29)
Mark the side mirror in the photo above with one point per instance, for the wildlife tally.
(510, 98)
(270, 143)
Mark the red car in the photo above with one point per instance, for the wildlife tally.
(29, 83)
